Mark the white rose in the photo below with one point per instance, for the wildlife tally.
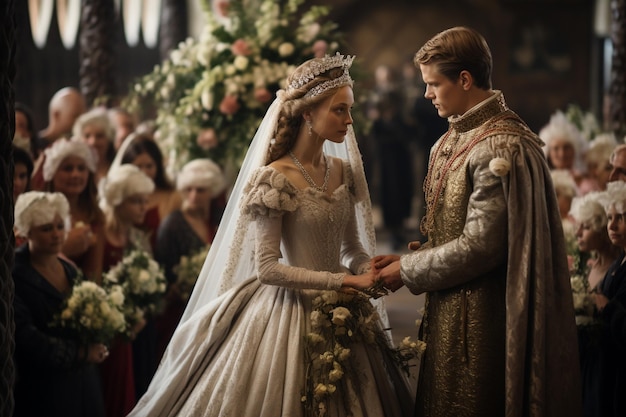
(499, 166)
(340, 314)
(241, 62)
(230, 70)
(144, 276)
(207, 99)
(285, 49)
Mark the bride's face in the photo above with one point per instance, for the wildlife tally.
(332, 116)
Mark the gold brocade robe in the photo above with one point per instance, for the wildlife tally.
(499, 319)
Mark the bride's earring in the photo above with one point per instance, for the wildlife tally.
(310, 125)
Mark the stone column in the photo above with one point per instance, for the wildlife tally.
(617, 89)
(96, 54)
(7, 240)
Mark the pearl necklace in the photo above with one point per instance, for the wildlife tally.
(308, 178)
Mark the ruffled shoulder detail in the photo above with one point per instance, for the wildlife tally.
(268, 193)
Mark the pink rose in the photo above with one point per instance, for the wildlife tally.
(207, 139)
(319, 48)
(262, 95)
(240, 47)
(223, 7)
(229, 105)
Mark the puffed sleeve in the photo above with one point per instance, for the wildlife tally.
(482, 245)
(269, 197)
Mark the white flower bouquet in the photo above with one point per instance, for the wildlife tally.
(584, 306)
(212, 93)
(338, 321)
(95, 314)
(143, 283)
(187, 271)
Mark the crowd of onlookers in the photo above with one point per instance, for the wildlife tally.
(92, 186)
(589, 177)
(88, 189)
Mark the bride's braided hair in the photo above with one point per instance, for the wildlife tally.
(295, 104)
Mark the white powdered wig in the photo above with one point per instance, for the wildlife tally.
(202, 173)
(35, 208)
(98, 117)
(122, 182)
(589, 209)
(63, 148)
(560, 128)
(564, 183)
(615, 195)
(601, 148)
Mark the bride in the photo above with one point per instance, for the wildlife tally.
(294, 244)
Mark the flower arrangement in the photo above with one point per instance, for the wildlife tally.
(586, 122)
(338, 321)
(187, 271)
(212, 93)
(95, 314)
(142, 281)
(584, 306)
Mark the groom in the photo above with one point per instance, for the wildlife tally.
(499, 323)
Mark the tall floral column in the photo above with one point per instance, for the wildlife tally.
(617, 89)
(96, 51)
(7, 242)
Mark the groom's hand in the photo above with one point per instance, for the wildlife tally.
(390, 276)
(381, 261)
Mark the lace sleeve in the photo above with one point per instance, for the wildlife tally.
(272, 272)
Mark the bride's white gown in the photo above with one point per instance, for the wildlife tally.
(242, 355)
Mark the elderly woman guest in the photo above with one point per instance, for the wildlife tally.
(186, 231)
(96, 129)
(592, 238)
(598, 160)
(56, 376)
(124, 193)
(69, 168)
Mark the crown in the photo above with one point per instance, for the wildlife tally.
(320, 66)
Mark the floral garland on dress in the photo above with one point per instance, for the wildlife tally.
(338, 322)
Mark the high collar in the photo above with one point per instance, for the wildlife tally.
(480, 113)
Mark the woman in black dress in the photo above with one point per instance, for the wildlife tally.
(55, 372)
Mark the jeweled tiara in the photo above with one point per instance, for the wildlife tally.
(320, 66)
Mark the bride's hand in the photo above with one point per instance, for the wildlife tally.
(360, 282)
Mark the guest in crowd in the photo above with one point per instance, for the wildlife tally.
(124, 198)
(594, 243)
(124, 124)
(25, 133)
(56, 376)
(142, 151)
(69, 168)
(611, 304)
(23, 168)
(598, 160)
(64, 108)
(187, 231)
(95, 129)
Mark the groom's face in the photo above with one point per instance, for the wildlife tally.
(448, 96)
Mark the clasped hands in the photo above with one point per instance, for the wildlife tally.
(384, 275)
